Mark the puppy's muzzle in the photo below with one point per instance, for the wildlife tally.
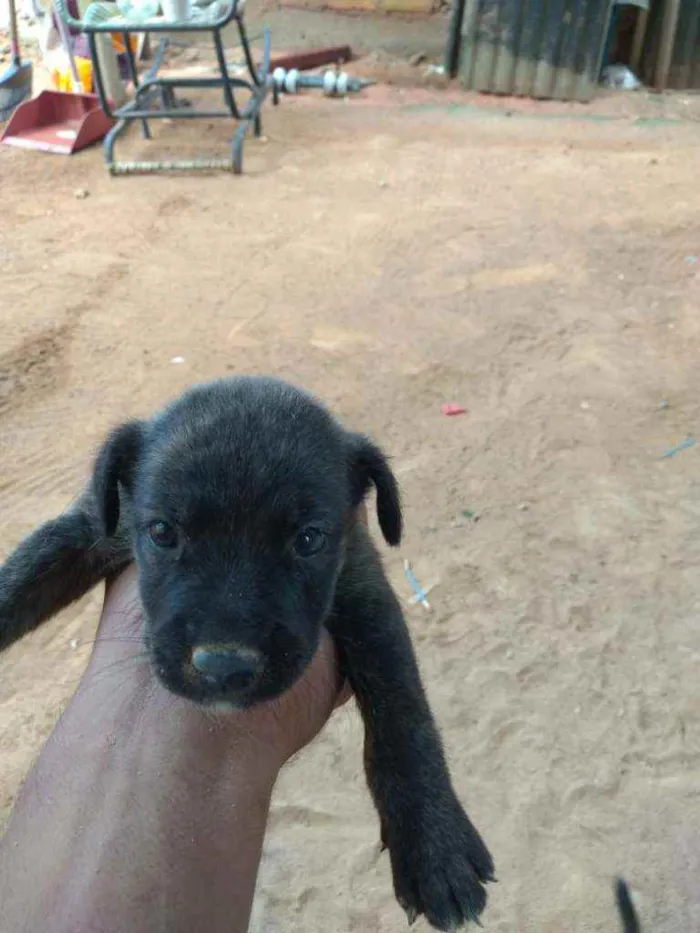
(226, 669)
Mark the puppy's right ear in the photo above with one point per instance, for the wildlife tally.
(115, 465)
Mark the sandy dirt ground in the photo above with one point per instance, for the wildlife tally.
(393, 254)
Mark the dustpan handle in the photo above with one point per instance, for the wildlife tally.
(14, 33)
(68, 47)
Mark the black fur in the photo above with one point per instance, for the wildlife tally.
(217, 498)
(115, 466)
(628, 915)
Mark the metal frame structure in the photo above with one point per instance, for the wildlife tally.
(155, 97)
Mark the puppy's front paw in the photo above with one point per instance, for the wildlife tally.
(440, 864)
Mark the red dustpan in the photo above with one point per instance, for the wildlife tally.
(57, 121)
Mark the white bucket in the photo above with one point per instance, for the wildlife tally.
(176, 11)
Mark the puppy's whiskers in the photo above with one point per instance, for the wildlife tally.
(131, 663)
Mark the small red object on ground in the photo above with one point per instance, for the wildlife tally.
(451, 408)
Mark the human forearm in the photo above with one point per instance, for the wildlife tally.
(166, 857)
(143, 812)
(158, 827)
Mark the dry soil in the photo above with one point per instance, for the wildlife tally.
(393, 254)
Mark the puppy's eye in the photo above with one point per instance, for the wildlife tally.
(162, 534)
(309, 541)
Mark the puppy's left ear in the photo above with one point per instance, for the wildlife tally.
(368, 466)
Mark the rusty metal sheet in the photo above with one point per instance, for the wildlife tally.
(533, 48)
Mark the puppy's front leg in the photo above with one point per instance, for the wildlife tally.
(55, 565)
(438, 859)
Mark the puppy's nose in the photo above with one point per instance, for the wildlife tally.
(227, 667)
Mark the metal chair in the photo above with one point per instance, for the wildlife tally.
(155, 98)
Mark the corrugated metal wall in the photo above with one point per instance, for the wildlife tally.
(684, 70)
(533, 48)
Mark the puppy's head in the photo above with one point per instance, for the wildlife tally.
(241, 495)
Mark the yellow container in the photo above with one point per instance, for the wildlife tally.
(63, 79)
(118, 43)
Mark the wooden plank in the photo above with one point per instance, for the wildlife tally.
(669, 26)
(640, 32)
(314, 58)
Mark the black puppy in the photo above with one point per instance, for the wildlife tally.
(237, 504)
